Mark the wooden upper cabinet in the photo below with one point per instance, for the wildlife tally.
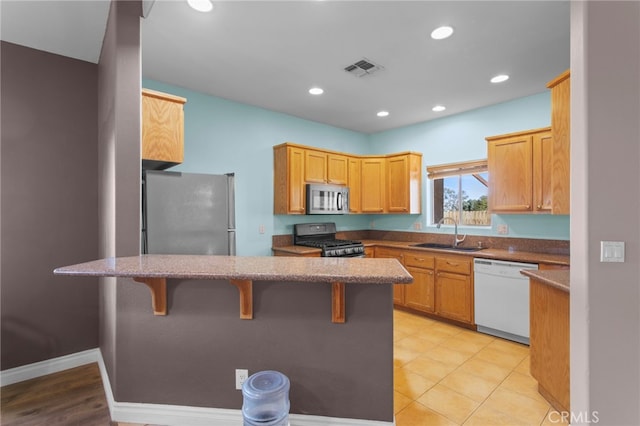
(404, 183)
(354, 183)
(510, 164)
(289, 184)
(519, 167)
(373, 184)
(543, 172)
(370, 186)
(324, 167)
(315, 166)
(560, 129)
(162, 129)
(337, 169)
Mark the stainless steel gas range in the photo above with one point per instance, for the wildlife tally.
(323, 236)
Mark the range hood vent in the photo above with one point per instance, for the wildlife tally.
(363, 67)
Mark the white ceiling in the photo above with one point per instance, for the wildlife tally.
(269, 53)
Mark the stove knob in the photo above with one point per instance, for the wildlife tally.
(340, 252)
(350, 250)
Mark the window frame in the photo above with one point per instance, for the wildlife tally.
(441, 171)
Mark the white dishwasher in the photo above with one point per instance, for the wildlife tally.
(501, 296)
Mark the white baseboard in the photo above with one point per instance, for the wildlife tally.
(160, 414)
(49, 366)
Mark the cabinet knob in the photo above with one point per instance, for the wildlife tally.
(539, 206)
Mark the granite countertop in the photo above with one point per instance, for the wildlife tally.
(554, 278)
(488, 253)
(267, 268)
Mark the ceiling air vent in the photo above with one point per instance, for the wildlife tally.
(363, 67)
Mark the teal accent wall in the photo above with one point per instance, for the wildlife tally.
(223, 136)
(461, 137)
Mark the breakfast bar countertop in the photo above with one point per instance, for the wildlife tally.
(267, 268)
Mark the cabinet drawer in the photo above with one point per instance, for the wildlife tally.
(388, 252)
(456, 265)
(418, 260)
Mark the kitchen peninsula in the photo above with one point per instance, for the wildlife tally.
(153, 270)
(188, 357)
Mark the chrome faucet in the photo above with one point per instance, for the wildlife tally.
(456, 240)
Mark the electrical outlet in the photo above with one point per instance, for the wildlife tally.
(241, 377)
(503, 229)
(261, 229)
(417, 225)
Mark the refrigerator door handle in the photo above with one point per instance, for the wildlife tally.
(231, 195)
(232, 242)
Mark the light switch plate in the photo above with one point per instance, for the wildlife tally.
(611, 251)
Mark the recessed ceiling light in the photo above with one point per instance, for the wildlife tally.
(316, 91)
(500, 78)
(383, 113)
(201, 5)
(438, 108)
(441, 33)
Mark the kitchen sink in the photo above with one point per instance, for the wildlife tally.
(447, 247)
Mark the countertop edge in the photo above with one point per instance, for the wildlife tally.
(265, 268)
(559, 279)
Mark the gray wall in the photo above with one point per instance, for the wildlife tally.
(119, 165)
(189, 357)
(605, 205)
(49, 204)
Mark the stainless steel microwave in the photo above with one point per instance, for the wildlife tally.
(327, 199)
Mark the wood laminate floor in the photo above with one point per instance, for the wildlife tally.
(73, 397)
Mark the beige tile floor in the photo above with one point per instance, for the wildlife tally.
(447, 375)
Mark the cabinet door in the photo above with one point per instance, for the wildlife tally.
(403, 186)
(315, 167)
(337, 169)
(355, 182)
(397, 184)
(420, 294)
(162, 129)
(398, 289)
(510, 174)
(454, 296)
(542, 172)
(373, 185)
(296, 186)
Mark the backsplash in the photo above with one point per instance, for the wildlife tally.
(532, 245)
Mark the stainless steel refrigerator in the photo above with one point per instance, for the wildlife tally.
(188, 213)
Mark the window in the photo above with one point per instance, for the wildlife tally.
(459, 191)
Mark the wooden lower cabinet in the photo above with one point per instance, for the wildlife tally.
(549, 342)
(398, 289)
(454, 288)
(455, 298)
(421, 294)
(442, 284)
